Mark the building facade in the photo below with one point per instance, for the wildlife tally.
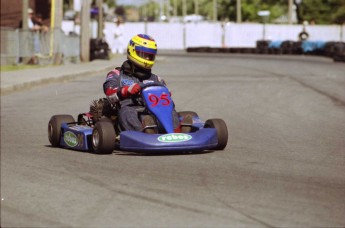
(11, 11)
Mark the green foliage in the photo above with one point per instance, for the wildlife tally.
(339, 15)
(227, 9)
(149, 11)
(321, 11)
(110, 3)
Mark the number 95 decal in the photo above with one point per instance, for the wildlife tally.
(162, 100)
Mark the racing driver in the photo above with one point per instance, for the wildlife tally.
(122, 86)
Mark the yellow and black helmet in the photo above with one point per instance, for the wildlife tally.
(142, 50)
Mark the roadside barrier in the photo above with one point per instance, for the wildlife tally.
(334, 50)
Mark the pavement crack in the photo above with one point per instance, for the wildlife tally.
(103, 185)
(334, 99)
(241, 212)
(337, 101)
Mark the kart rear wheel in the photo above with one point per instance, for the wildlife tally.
(105, 119)
(54, 128)
(103, 137)
(222, 132)
(185, 113)
(186, 120)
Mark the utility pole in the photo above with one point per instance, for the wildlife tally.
(25, 17)
(85, 31)
(25, 25)
(58, 13)
(168, 6)
(215, 10)
(238, 11)
(196, 7)
(175, 8)
(56, 21)
(161, 10)
(100, 19)
(290, 12)
(184, 14)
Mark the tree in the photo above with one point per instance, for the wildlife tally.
(339, 16)
(250, 8)
(322, 12)
(110, 3)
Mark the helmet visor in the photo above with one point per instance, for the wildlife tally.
(146, 53)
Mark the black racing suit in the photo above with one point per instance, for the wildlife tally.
(123, 76)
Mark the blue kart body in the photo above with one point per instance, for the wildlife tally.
(160, 105)
(78, 137)
(202, 139)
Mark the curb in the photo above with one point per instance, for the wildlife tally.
(51, 80)
(27, 79)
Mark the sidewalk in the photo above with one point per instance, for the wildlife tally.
(12, 81)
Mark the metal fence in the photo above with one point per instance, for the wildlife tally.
(23, 46)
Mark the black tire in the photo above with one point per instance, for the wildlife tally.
(185, 113)
(303, 36)
(222, 132)
(103, 137)
(105, 119)
(54, 128)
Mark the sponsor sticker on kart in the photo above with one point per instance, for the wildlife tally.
(70, 139)
(174, 137)
(80, 127)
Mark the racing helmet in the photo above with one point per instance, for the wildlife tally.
(142, 50)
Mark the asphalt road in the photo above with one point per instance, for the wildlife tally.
(284, 165)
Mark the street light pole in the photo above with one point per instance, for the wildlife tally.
(265, 15)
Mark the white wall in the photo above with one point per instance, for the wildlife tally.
(180, 36)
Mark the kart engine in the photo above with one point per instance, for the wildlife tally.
(101, 107)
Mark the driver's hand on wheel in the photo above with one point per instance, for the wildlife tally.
(134, 89)
(131, 90)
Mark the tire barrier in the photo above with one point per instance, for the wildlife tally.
(334, 50)
(303, 36)
(262, 46)
(287, 47)
(99, 49)
(275, 47)
(221, 50)
(339, 52)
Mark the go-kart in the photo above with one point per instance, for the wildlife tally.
(99, 130)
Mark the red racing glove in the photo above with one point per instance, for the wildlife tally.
(131, 90)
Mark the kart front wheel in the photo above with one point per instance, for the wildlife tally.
(103, 137)
(222, 132)
(54, 128)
